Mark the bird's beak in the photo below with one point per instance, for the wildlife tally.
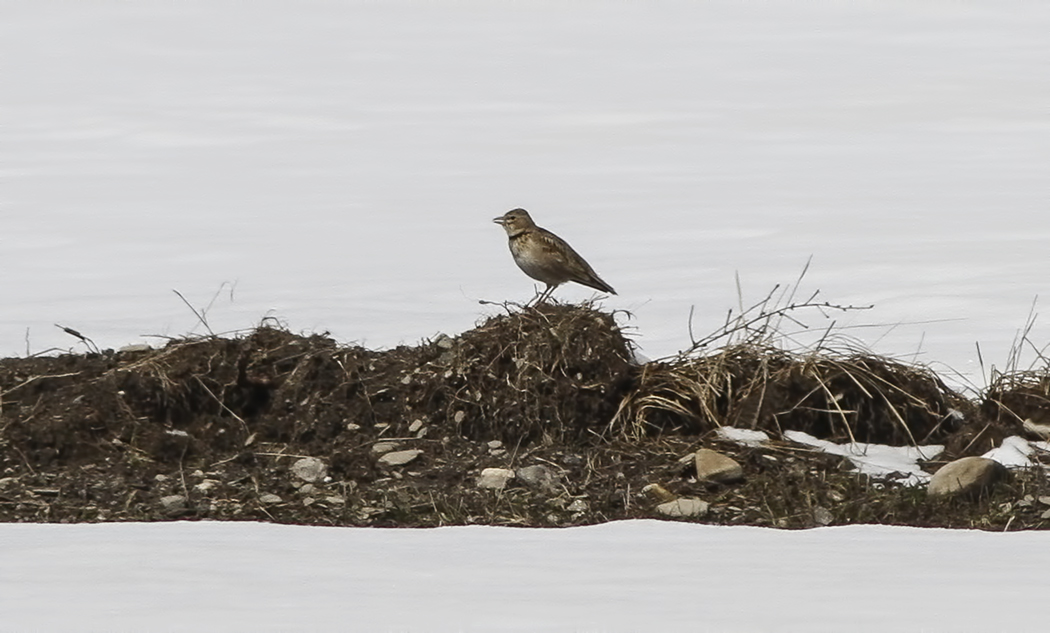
(498, 220)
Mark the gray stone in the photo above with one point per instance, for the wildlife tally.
(714, 466)
(967, 475)
(495, 478)
(269, 498)
(384, 447)
(537, 476)
(578, 505)
(135, 347)
(399, 458)
(309, 469)
(683, 507)
(822, 516)
(415, 426)
(173, 503)
(206, 485)
(495, 444)
(1040, 430)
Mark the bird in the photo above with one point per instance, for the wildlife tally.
(546, 257)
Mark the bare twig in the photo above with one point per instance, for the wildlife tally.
(85, 340)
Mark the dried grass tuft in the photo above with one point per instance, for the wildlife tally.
(753, 373)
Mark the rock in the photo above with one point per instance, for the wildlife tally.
(683, 507)
(206, 485)
(1041, 431)
(967, 475)
(537, 476)
(494, 444)
(399, 458)
(822, 516)
(572, 460)
(714, 466)
(1044, 500)
(307, 489)
(173, 503)
(135, 347)
(658, 493)
(577, 506)
(1045, 515)
(495, 478)
(350, 426)
(384, 447)
(309, 469)
(269, 499)
(444, 341)
(459, 417)
(415, 426)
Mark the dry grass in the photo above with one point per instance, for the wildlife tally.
(751, 373)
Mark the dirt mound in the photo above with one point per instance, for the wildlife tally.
(218, 428)
(855, 397)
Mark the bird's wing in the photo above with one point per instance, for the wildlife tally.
(569, 262)
(557, 249)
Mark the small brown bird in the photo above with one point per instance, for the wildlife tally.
(546, 257)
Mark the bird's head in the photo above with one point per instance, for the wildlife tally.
(515, 221)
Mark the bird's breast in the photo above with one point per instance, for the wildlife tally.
(535, 262)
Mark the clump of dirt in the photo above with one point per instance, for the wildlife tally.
(218, 428)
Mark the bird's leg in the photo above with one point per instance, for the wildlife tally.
(547, 293)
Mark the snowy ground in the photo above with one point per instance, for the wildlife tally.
(336, 165)
(628, 576)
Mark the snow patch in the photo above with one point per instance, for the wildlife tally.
(899, 463)
(745, 437)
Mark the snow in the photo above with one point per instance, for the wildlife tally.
(899, 463)
(335, 166)
(627, 576)
(1014, 452)
(744, 437)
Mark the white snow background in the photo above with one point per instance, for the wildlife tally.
(336, 165)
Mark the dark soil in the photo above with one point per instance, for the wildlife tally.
(209, 428)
